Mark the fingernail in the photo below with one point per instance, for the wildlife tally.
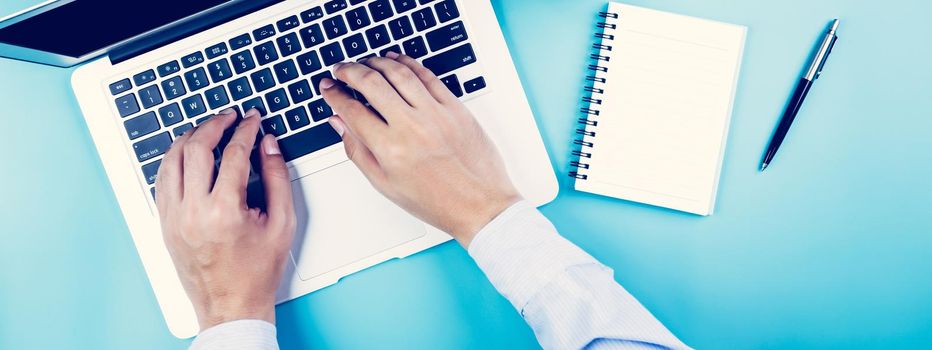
(251, 113)
(338, 65)
(337, 125)
(271, 146)
(327, 83)
(392, 55)
(228, 111)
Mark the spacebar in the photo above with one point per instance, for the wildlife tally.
(308, 141)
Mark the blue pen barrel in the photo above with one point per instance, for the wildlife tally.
(792, 109)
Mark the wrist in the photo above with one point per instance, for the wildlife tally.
(222, 310)
(484, 211)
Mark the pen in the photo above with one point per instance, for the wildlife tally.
(802, 89)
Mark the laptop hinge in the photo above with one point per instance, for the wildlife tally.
(186, 27)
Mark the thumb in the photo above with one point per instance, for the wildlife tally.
(358, 152)
(277, 182)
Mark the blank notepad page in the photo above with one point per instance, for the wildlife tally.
(662, 125)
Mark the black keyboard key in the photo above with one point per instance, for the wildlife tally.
(266, 53)
(120, 87)
(150, 96)
(220, 70)
(201, 120)
(320, 110)
(335, 6)
(312, 14)
(393, 48)
(288, 24)
(264, 33)
(217, 97)
(355, 45)
(335, 27)
(144, 77)
(240, 42)
(194, 106)
(415, 47)
(308, 141)
(286, 71)
(309, 63)
(152, 147)
(315, 80)
(300, 91)
(168, 69)
(401, 28)
(243, 62)
(197, 79)
(240, 89)
(297, 118)
(151, 170)
(404, 5)
(173, 88)
(357, 2)
(263, 80)
(255, 102)
(474, 85)
(141, 126)
(453, 84)
(451, 60)
(332, 54)
(425, 2)
(312, 36)
(424, 19)
(380, 10)
(447, 36)
(288, 45)
(192, 59)
(447, 11)
(171, 114)
(216, 51)
(378, 36)
(127, 105)
(277, 100)
(182, 129)
(274, 125)
(358, 18)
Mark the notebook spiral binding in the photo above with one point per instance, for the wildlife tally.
(588, 122)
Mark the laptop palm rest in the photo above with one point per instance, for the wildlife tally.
(343, 219)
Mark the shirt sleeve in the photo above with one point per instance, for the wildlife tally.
(569, 299)
(238, 335)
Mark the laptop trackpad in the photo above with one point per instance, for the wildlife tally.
(342, 219)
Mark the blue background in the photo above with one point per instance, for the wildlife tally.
(827, 249)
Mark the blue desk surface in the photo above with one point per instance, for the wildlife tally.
(827, 249)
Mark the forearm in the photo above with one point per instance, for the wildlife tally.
(568, 298)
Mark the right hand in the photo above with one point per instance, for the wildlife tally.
(428, 155)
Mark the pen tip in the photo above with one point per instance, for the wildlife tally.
(763, 166)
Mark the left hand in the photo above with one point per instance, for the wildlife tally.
(230, 257)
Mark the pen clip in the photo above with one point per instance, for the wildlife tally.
(825, 57)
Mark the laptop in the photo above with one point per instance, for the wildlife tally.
(150, 71)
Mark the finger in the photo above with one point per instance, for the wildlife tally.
(408, 84)
(372, 84)
(169, 184)
(234, 167)
(358, 152)
(359, 118)
(277, 183)
(199, 154)
(433, 84)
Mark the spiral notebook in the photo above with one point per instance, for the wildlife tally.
(658, 108)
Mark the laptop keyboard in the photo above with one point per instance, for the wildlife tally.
(276, 69)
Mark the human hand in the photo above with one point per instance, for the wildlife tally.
(230, 257)
(428, 155)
